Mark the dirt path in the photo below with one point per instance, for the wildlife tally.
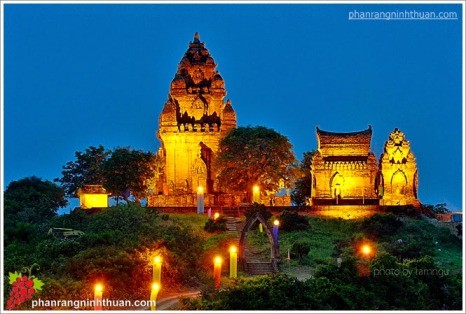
(170, 302)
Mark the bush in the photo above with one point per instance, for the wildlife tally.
(417, 239)
(301, 248)
(445, 236)
(216, 226)
(116, 248)
(381, 226)
(251, 211)
(292, 221)
(21, 231)
(277, 292)
(63, 288)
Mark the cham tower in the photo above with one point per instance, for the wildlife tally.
(398, 172)
(343, 169)
(193, 121)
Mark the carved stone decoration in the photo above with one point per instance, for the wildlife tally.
(199, 174)
(198, 75)
(196, 112)
(398, 171)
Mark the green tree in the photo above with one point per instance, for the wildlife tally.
(303, 184)
(129, 171)
(255, 155)
(436, 209)
(33, 200)
(301, 248)
(290, 220)
(277, 292)
(86, 169)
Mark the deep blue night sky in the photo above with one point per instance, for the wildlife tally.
(81, 75)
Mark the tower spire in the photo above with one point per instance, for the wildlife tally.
(196, 37)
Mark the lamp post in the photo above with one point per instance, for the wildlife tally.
(153, 296)
(367, 252)
(157, 270)
(256, 194)
(98, 289)
(363, 192)
(233, 262)
(276, 223)
(200, 200)
(217, 271)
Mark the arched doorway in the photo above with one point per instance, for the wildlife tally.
(207, 157)
(398, 183)
(337, 183)
(199, 175)
(274, 246)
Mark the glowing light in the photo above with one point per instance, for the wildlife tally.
(153, 296)
(366, 249)
(216, 215)
(217, 271)
(217, 260)
(200, 200)
(157, 270)
(233, 262)
(276, 223)
(256, 194)
(93, 200)
(99, 288)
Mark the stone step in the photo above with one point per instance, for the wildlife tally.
(259, 268)
(231, 225)
(231, 212)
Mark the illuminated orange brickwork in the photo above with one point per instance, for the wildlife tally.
(399, 178)
(343, 168)
(193, 121)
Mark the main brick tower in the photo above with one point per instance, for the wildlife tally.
(193, 121)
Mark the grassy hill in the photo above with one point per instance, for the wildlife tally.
(414, 265)
(119, 244)
(325, 235)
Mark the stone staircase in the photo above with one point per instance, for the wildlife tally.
(259, 268)
(253, 265)
(231, 227)
(231, 211)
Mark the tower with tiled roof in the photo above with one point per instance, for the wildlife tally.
(344, 170)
